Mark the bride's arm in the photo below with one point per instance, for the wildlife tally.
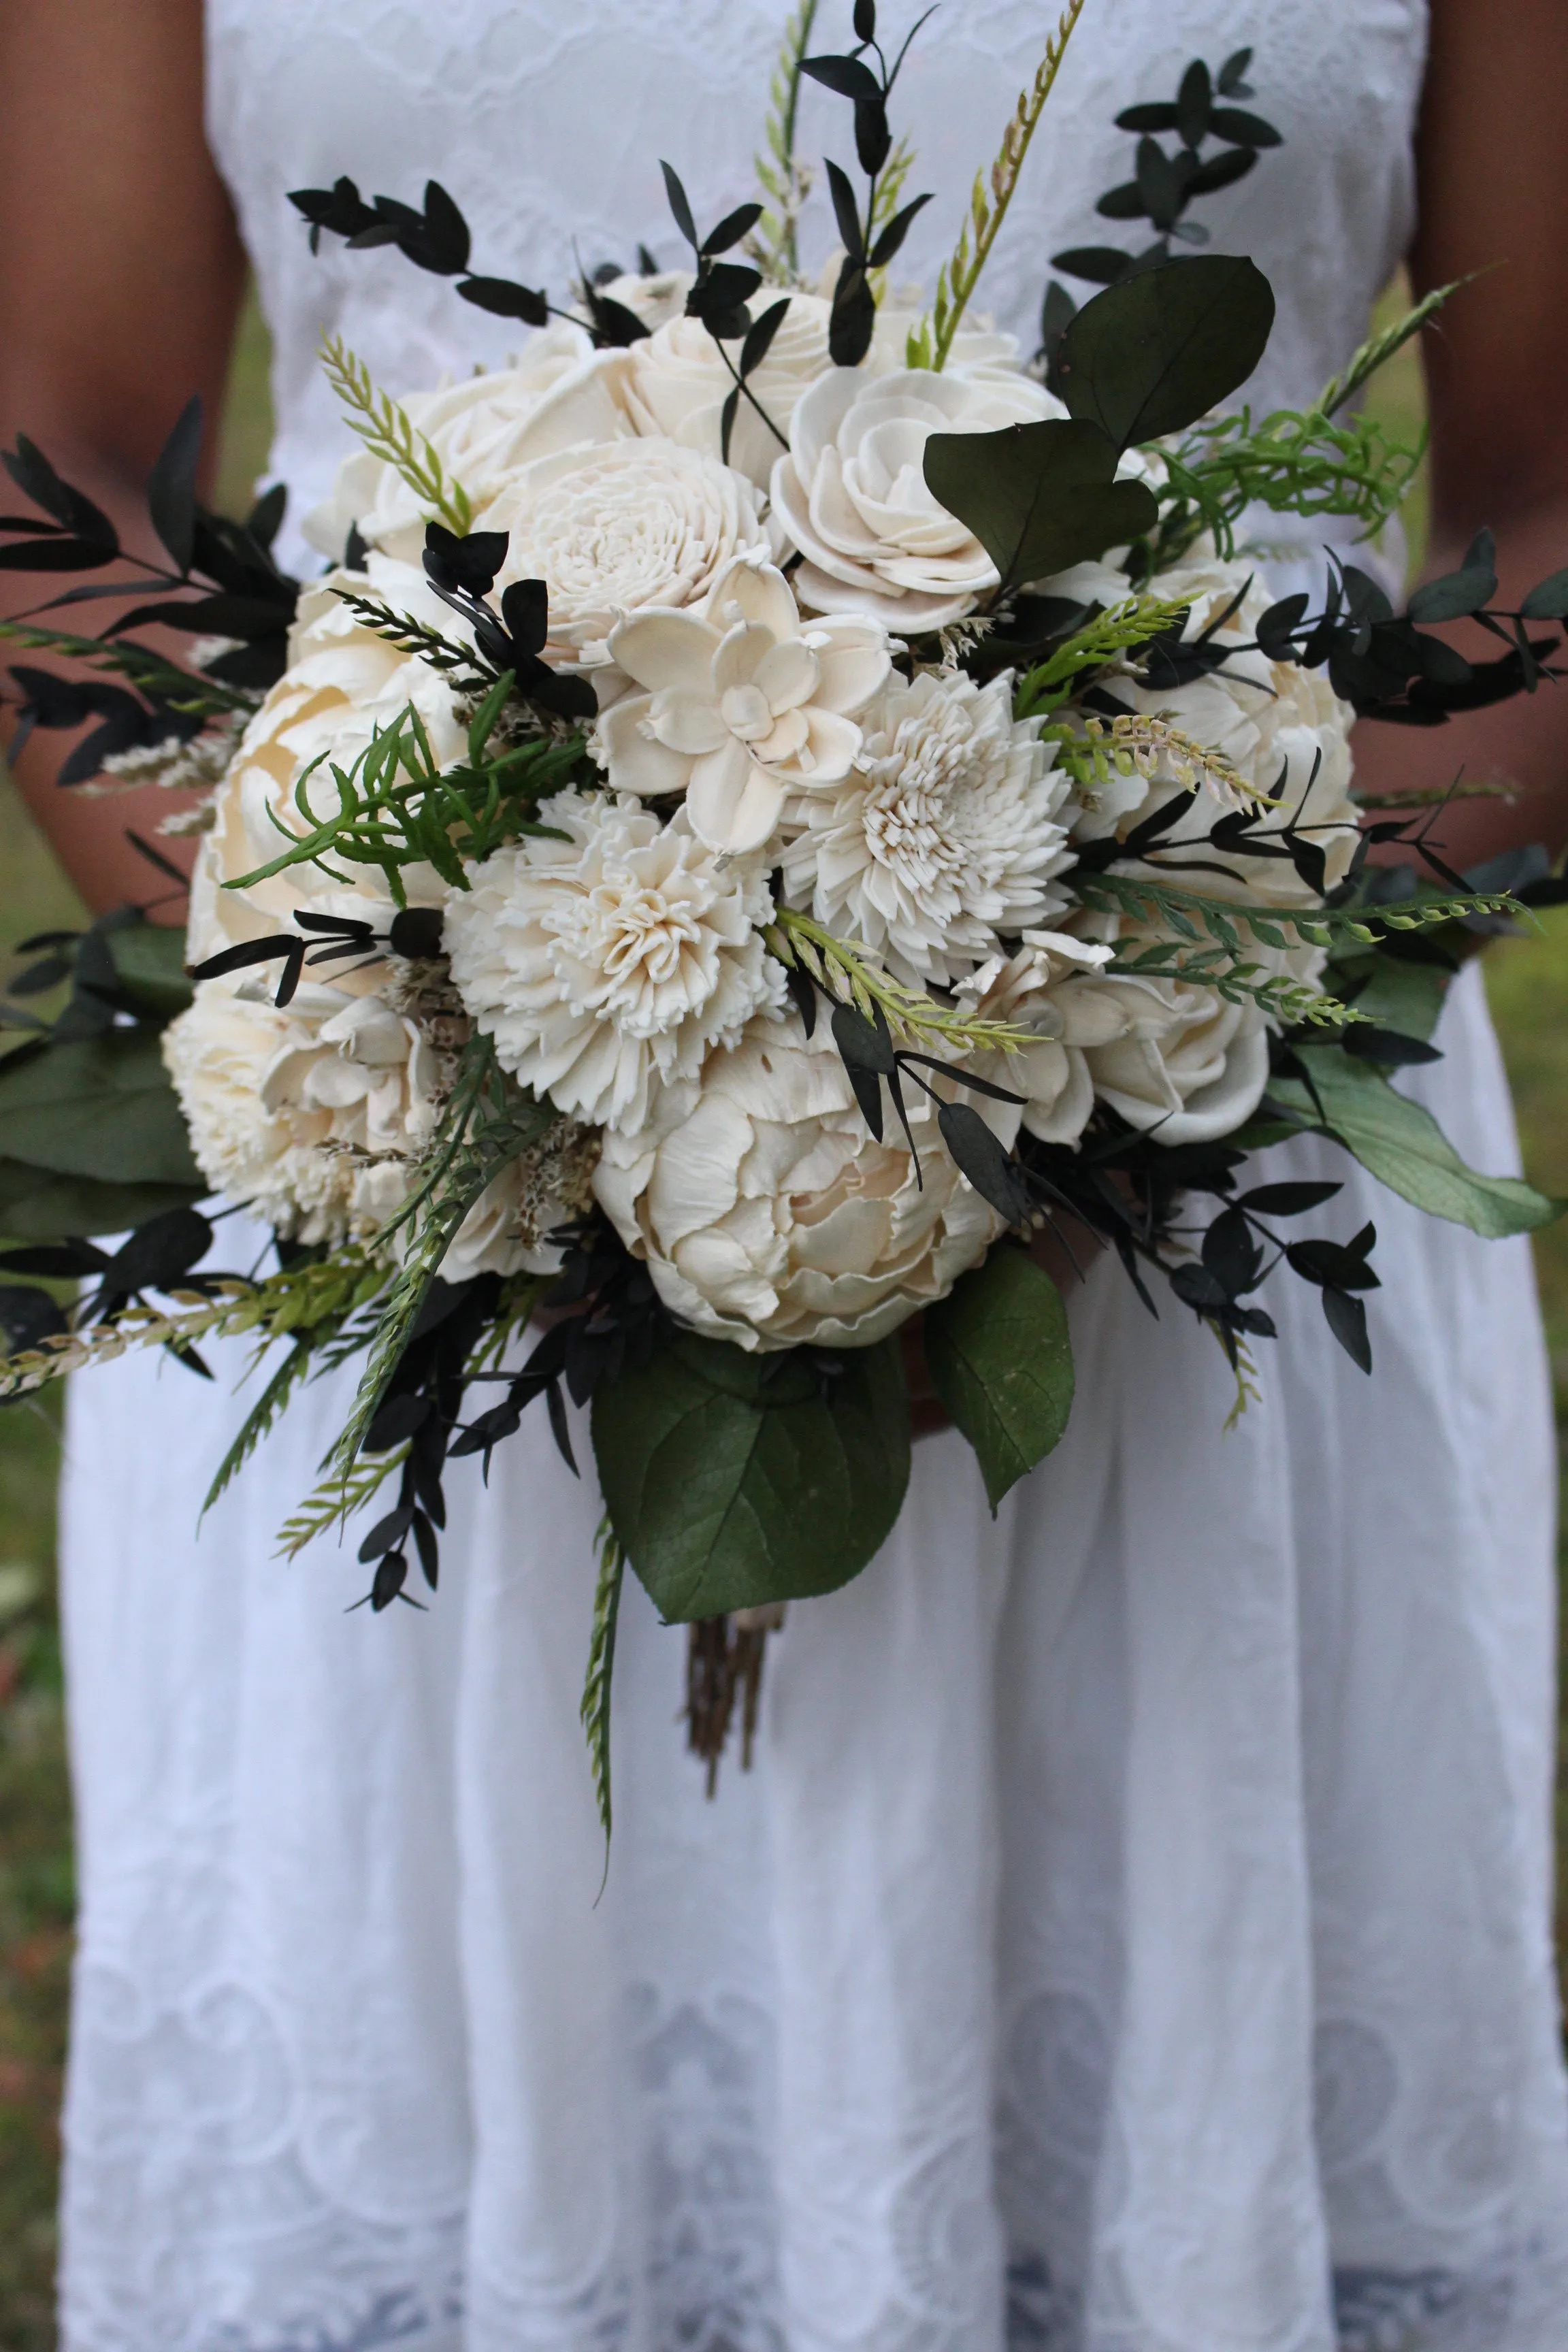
(1493, 197)
(121, 272)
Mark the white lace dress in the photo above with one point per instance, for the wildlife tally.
(1134, 1935)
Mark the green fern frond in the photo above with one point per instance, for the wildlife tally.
(931, 343)
(849, 976)
(336, 1500)
(389, 433)
(773, 241)
(596, 1708)
(1379, 348)
(1191, 915)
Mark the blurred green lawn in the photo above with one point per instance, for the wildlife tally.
(1528, 984)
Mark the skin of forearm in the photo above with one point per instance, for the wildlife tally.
(88, 830)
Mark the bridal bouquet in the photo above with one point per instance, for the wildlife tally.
(777, 801)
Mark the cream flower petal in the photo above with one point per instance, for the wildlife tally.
(735, 805)
(637, 761)
(665, 648)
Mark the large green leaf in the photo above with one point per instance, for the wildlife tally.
(1160, 349)
(1038, 496)
(1405, 1148)
(100, 1107)
(731, 1480)
(149, 961)
(1000, 1357)
(38, 1205)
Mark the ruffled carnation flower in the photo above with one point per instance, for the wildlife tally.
(851, 491)
(561, 393)
(743, 703)
(769, 1216)
(613, 959)
(1278, 727)
(948, 831)
(616, 530)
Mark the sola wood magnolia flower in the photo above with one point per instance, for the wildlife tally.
(743, 702)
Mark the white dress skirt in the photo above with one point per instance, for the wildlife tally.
(1134, 1934)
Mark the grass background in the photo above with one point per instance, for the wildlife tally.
(1529, 983)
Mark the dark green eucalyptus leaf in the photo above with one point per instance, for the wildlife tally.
(1401, 1145)
(730, 1481)
(1455, 595)
(102, 1107)
(1244, 129)
(1194, 102)
(1346, 1318)
(149, 961)
(39, 1205)
(847, 76)
(172, 485)
(1124, 202)
(1221, 171)
(1549, 599)
(1102, 265)
(1160, 115)
(1159, 349)
(1039, 496)
(1001, 1358)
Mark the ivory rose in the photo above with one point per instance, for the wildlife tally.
(316, 1116)
(743, 702)
(767, 1214)
(1281, 727)
(676, 383)
(343, 683)
(851, 491)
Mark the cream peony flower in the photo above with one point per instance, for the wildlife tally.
(768, 1215)
(317, 1114)
(561, 392)
(616, 530)
(676, 383)
(948, 831)
(851, 491)
(616, 959)
(343, 684)
(743, 703)
(1281, 727)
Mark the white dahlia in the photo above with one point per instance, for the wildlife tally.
(768, 1216)
(743, 703)
(613, 959)
(613, 530)
(950, 829)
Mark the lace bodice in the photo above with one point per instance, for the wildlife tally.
(547, 123)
